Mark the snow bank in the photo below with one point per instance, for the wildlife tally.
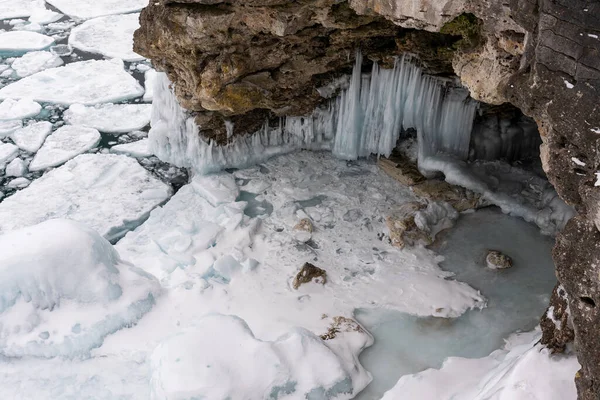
(109, 193)
(65, 143)
(86, 9)
(111, 36)
(113, 118)
(63, 288)
(523, 370)
(221, 359)
(18, 109)
(23, 41)
(35, 61)
(31, 137)
(85, 82)
(137, 149)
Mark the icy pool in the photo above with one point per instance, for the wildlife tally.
(405, 344)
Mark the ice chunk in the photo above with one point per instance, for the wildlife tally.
(110, 193)
(522, 370)
(114, 118)
(137, 149)
(19, 183)
(23, 41)
(86, 9)
(111, 36)
(18, 109)
(36, 61)
(44, 16)
(86, 82)
(16, 167)
(31, 137)
(61, 274)
(7, 152)
(149, 82)
(17, 8)
(201, 363)
(8, 127)
(65, 143)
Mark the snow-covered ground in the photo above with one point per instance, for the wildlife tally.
(195, 298)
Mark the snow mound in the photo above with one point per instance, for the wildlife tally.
(221, 359)
(523, 370)
(112, 118)
(23, 41)
(137, 149)
(65, 143)
(18, 109)
(17, 8)
(86, 9)
(111, 36)
(35, 61)
(31, 137)
(112, 194)
(85, 82)
(64, 288)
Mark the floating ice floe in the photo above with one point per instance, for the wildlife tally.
(44, 16)
(86, 9)
(8, 127)
(111, 36)
(523, 370)
(23, 41)
(17, 8)
(63, 289)
(110, 193)
(7, 152)
(35, 61)
(137, 149)
(65, 143)
(18, 109)
(31, 137)
(19, 183)
(218, 359)
(112, 118)
(149, 82)
(85, 82)
(16, 167)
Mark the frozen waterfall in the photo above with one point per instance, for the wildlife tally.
(366, 118)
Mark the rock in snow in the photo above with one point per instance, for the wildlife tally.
(112, 118)
(65, 143)
(137, 149)
(223, 349)
(85, 82)
(31, 137)
(35, 61)
(111, 36)
(23, 41)
(86, 9)
(109, 193)
(18, 109)
(63, 289)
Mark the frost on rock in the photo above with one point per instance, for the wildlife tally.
(112, 118)
(35, 61)
(137, 149)
(86, 82)
(111, 36)
(112, 194)
(149, 82)
(7, 152)
(86, 9)
(218, 359)
(65, 143)
(17, 8)
(23, 41)
(18, 109)
(31, 137)
(64, 288)
(523, 370)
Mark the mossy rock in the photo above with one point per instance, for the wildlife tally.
(469, 27)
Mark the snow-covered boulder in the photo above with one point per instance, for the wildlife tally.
(63, 289)
(221, 359)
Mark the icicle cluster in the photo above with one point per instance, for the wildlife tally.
(366, 118)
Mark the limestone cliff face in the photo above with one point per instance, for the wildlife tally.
(264, 58)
